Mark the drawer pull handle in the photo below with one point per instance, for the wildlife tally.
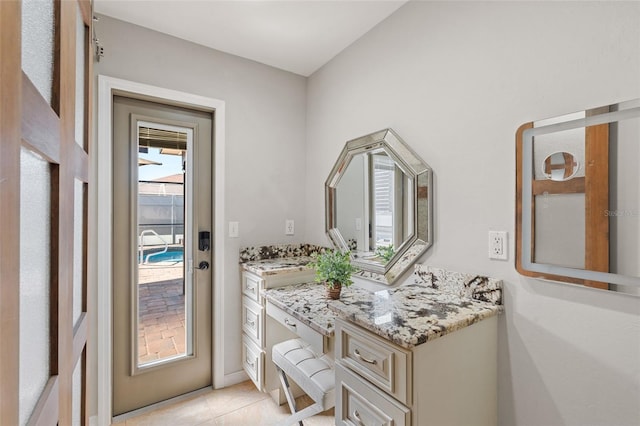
(360, 357)
(356, 416)
(251, 364)
(251, 323)
(250, 287)
(289, 323)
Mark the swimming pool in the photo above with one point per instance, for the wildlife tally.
(173, 254)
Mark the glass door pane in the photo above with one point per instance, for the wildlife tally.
(36, 264)
(164, 290)
(38, 45)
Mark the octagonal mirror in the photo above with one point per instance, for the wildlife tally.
(378, 205)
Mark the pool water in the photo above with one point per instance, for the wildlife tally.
(173, 254)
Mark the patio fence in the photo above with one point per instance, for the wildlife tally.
(161, 209)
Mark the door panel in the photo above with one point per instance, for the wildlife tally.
(162, 307)
(39, 163)
(35, 279)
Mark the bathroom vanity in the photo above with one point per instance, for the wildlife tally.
(422, 353)
(264, 268)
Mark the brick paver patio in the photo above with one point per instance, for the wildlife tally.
(161, 326)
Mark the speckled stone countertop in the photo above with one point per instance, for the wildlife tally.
(280, 266)
(432, 303)
(277, 259)
(307, 302)
(411, 314)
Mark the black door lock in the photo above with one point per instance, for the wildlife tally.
(203, 266)
(204, 240)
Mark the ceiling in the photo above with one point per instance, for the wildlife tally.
(294, 35)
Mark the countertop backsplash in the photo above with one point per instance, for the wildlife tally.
(471, 286)
(275, 251)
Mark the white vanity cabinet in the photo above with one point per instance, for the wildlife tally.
(451, 380)
(258, 333)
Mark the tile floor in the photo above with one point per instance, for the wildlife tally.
(238, 405)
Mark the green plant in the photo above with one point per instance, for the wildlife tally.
(385, 252)
(333, 267)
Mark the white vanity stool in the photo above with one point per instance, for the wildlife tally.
(314, 373)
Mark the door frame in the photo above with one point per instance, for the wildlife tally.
(101, 217)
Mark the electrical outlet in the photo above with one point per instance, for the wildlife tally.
(234, 229)
(289, 228)
(498, 245)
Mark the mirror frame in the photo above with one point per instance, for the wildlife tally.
(525, 263)
(421, 237)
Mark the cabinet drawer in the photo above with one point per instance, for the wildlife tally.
(251, 285)
(253, 361)
(359, 403)
(253, 320)
(314, 338)
(381, 362)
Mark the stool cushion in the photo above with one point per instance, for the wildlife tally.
(312, 372)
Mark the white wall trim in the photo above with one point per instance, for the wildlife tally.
(101, 223)
(235, 378)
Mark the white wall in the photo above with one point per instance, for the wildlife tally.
(265, 122)
(455, 80)
(625, 204)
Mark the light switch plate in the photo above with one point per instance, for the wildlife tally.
(234, 229)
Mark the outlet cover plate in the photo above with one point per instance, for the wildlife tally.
(289, 227)
(498, 245)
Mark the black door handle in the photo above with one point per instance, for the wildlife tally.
(203, 266)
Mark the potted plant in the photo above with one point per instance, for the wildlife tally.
(385, 252)
(334, 269)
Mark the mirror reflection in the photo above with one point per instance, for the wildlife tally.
(378, 205)
(560, 166)
(578, 199)
(374, 206)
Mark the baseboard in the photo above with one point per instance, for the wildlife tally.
(153, 407)
(229, 380)
(235, 378)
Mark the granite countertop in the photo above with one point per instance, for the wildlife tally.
(411, 314)
(306, 302)
(277, 266)
(277, 259)
(432, 303)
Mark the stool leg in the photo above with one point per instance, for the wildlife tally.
(287, 392)
(302, 414)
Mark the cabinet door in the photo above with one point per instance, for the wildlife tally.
(253, 362)
(251, 286)
(384, 364)
(359, 403)
(253, 320)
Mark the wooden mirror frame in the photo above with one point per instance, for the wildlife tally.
(595, 186)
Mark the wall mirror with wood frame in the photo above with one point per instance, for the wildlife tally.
(379, 204)
(577, 198)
